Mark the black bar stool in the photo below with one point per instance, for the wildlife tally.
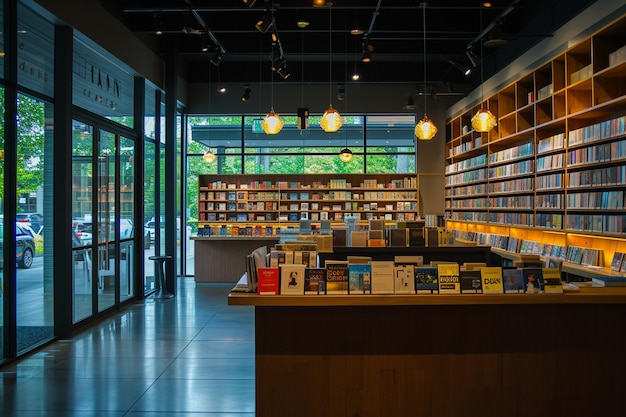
(159, 264)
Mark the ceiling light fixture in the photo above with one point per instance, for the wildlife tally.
(265, 23)
(246, 93)
(272, 123)
(219, 54)
(425, 129)
(483, 120)
(331, 119)
(345, 155)
(464, 70)
(209, 157)
(249, 3)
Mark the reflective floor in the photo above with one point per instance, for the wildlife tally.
(192, 355)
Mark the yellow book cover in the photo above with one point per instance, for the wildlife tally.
(449, 281)
(552, 281)
(492, 280)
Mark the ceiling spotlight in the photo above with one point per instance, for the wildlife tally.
(356, 31)
(464, 70)
(319, 3)
(367, 56)
(302, 23)
(221, 89)
(219, 54)
(265, 23)
(474, 59)
(341, 92)
(246, 93)
(282, 71)
(356, 76)
(249, 3)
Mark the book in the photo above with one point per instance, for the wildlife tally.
(513, 279)
(267, 281)
(314, 280)
(383, 277)
(609, 281)
(426, 281)
(336, 277)
(616, 262)
(471, 282)
(533, 280)
(552, 281)
(292, 279)
(359, 278)
(491, 277)
(404, 282)
(449, 280)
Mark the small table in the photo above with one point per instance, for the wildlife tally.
(160, 271)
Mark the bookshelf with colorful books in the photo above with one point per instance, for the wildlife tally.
(557, 159)
(261, 204)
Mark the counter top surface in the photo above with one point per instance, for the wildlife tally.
(585, 295)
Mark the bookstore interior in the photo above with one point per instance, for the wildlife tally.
(543, 187)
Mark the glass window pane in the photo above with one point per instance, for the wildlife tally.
(82, 219)
(127, 215)
(33, 226)
(35, 52)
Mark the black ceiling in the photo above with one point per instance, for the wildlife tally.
(394, 29)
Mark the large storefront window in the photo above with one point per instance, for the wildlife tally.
(33, 225)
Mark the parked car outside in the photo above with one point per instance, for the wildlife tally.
(24, 246)
(32, 220)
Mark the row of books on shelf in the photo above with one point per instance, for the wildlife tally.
(476, 161)
(613, 175)
(294, 216)
(599, 131)
(407, 182)
(363, 277)
(571, 253)
(604, 152)
(551, 143)
(515, 152)
(509, 170)
(548, 162)
(606, 200)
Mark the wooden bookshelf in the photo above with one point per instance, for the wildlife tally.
(557, 159)
(257, 205)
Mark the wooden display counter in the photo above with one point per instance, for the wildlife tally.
(440, 355)
(223, 258)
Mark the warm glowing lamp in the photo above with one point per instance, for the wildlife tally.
(345, 155)
(331, 120)
(425, 129)
(483, 121)
(209, 157)
(272, 124)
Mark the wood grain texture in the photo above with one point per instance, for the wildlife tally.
(446, 360)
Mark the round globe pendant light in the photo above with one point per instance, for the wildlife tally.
(272, 123)
(331, 120)
(209, 157)
(425, 128)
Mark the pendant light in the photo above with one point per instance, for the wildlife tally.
(272, 123)
(331, 119)
(425, 129)
(345, 155)
(483, 120)
(209, 157)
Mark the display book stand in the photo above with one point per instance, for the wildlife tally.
(553, 170)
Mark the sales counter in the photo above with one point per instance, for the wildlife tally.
(223, 258)
(440, 355)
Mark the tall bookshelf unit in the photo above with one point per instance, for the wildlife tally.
(261, 204)
(554, 168)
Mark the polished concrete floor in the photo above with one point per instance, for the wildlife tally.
(188, 356)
